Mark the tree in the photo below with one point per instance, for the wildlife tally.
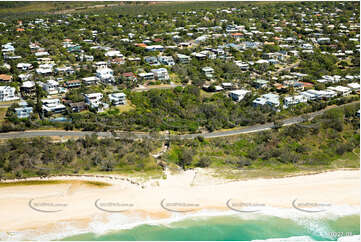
(185, 158)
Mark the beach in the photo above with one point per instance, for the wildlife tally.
(35, 210)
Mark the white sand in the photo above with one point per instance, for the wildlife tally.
(337, 188)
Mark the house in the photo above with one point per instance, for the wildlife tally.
(105, 75)
(28, 88)
(242, 65)
(117, 98)
(154, 48)
(208, 71)
(160, 74)
(319, 94)
(227, 85)
(73, 83)
(146, 76)
(45, 69)
(118, 61)
(343, 91)
(7, 48)
(51, 87)
(25, 77)
(183, 59)
(93, 99)
(77, 107)
(295, 84)
(90, 80)
(323, 41)
(7, 94)
(129, 76)
(151, 60)
(260, 83)
(199, 56)
(41, 53)
(238, 95)
(67, 70)
(166, 60)
(5, 78)
(267, 99)
(354, 86)
(23, 111)
(52, 105)
(309, 95)
(24, 66)
(86, 58)
(113, 53)
(293, 100)
(101, 65)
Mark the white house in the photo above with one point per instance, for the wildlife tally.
(160, 74)
(114, 53)
(154, 48)
(45, 69)
(166, 60)
(86, 58)
(323, 40)
(105, 75)
(354, 86)
(90, 80)
(51, 87)
(146, 76)
(67, 70)
(183, 59)
(293, 100)
(270, 99)
(24, 66)
(41, 53)
(208, 71)
(238, 95)
(243, 65)
(318, 94)
(344, 91)
(309, 96)
(6, 48)
(117, 98)
(101, 64)
(7, 94)
(53, 105)
(93, 99)
(23, 111)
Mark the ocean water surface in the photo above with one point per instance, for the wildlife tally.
(236, 227)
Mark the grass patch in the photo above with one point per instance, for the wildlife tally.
(125, 108)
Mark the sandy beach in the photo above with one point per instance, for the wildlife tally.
(45, 208)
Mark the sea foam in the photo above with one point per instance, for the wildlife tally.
(118, 221)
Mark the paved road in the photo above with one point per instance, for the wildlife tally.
(135, 135)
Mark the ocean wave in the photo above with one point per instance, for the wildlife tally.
(354, 238)
(289, 239)
(115, 222)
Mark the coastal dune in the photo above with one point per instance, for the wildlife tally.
(34, 210)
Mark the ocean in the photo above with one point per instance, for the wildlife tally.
(231, 227)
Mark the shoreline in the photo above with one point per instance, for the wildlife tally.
(127, 202)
